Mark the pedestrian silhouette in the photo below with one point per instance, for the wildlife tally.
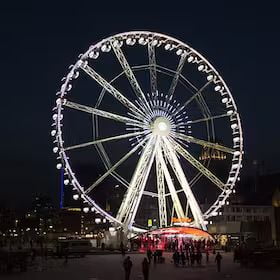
(149, 255)
(145, 268)
(127, 265)
(218, 260)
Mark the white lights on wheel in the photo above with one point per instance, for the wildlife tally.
(130, 41)
(59, 166)
(154, 42)
(179, 52)
(190, 58)
(93, 54)
(159, 131)
(217, 88)
(167, 47)
(66, 182)
(200, 67)
(142, 41)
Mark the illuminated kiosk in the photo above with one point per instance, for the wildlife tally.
(162, 239)
(150, 102)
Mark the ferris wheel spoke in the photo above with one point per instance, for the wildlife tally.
(203, 143)
(194, 96)
(122, 136)
(132, 198)
(161, 194)
(131, 77)
(175, 199)
(103, 114)
(208, 118)
(112, 90)
(177, 168)
(153, 70)
(193, 161)
(177, 75)
(113, 168)
(126, 184)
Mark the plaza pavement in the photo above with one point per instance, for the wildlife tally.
(105, 267)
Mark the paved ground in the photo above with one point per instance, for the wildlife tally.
(105, 267)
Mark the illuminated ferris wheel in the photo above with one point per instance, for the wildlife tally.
(149, 103)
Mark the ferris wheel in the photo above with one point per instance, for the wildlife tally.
(152, 103)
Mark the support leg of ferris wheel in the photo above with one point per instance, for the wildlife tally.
(161, 194)
(130, 203)
(175, 199)
(174, 162)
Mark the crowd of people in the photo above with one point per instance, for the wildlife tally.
(189, 257)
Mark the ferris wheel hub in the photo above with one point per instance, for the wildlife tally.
(161, 126)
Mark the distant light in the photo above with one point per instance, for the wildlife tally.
(53, 132)
(86, 209)
(210, 77)
(55, 149)
(97, 220)
(54, 117)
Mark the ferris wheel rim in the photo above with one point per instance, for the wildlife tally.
(222, 197)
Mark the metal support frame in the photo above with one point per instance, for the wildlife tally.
(132, 198)
(174, 162)
(161, 194)
(206, 172)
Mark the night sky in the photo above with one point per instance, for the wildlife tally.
(39, 43)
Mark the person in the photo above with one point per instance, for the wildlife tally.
(176, 258)
(127, 265)
(183, 258)
(207, 256)
(149, 255)
(218, 260)
(199, 257)
(155, 257)
(192, 257)
(188, 258)
(122, 249)
(145, 268)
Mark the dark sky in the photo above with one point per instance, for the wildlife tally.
(39, 43)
